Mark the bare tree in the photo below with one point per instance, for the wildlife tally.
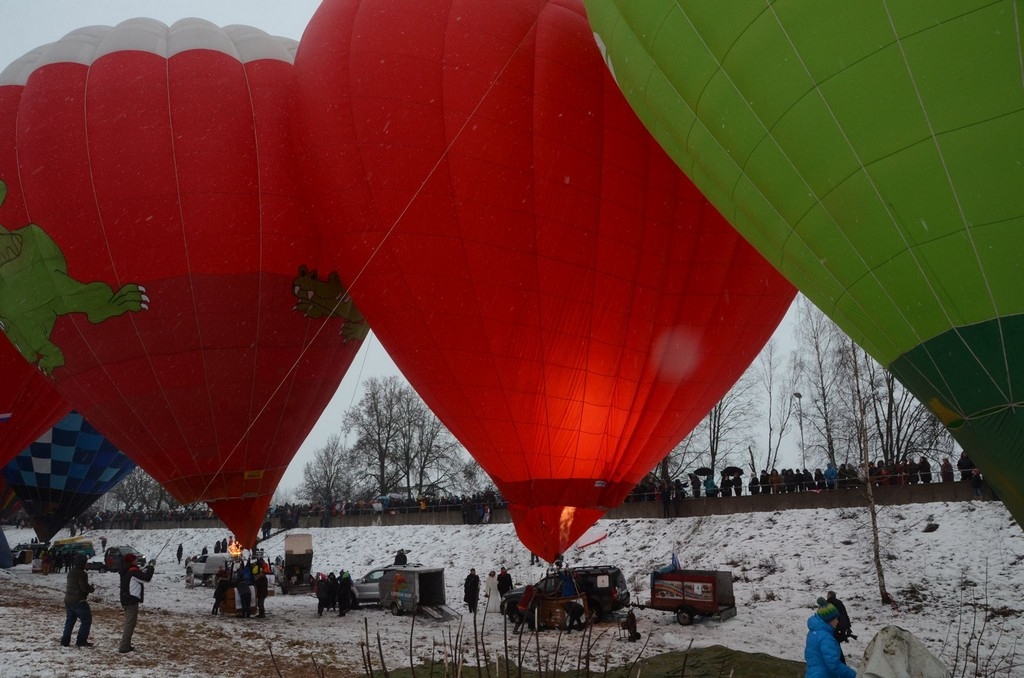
(861, 412)
(684, 457)
(778, 390)
(469, 478)
(841, 378)
(720, 437)
(439, 459)
(284, 496)
(904, 427)
(428, 454)
(139, 492)
(327, 478)
(820, 346)
(377, 423)
(401, 446)
(861, 398)
(728, 425)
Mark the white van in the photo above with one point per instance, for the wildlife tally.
(205, 568)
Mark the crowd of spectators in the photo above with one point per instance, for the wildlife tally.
(701, 482)
(476, 508)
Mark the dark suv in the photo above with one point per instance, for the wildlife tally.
(604, 586)
(114, 557)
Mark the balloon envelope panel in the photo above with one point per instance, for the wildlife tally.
(552, 285)
(872, 153)
(9, 502)
(29, 403)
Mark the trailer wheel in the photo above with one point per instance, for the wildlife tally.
(396, 609)
(684, 617)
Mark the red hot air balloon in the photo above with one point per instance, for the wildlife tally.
(29, 404)
(168, 272)
(551, 284)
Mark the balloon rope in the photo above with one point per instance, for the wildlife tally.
(176, 533)
(387, 234)
(442, 157)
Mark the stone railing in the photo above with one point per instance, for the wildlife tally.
(702, 506)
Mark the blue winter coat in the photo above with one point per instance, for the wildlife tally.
(822, 652)
(831, 473)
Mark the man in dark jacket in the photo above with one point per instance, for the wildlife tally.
(471, 588)
(244, 584)
(504, 582)
(695, 484)
(132, 594)
(844, 629)
(326, 594)
(525, 610)
(574, 612)
(344, 592)
(262, 586)
(946, 471)
(224, 584)
(965, 466)
(76, 603)
(926, 470)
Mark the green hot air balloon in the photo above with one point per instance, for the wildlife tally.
(874, 153)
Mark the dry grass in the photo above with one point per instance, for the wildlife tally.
(174, 644)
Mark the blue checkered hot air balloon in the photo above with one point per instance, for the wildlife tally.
(9, 503)
(60, 475)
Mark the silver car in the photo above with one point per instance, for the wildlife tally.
(367, 588)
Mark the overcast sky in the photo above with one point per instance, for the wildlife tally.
(27, 24)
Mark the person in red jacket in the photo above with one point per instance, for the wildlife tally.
(132, 594)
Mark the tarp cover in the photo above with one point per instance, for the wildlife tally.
(896, 653)
(6, 557)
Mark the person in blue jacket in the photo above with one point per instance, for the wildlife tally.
(710, 489)
(822, 652)
(831, 474)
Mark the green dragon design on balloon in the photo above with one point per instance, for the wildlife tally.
(328, 298)
(35, 289)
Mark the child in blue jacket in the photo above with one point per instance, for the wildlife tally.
(822, 652)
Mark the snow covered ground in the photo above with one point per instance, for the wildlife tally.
(957, 586)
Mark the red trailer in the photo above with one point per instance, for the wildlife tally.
(693, 593)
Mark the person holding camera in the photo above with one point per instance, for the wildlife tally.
(132, 594)
(844, 630)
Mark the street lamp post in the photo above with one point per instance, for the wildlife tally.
(800, 418)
